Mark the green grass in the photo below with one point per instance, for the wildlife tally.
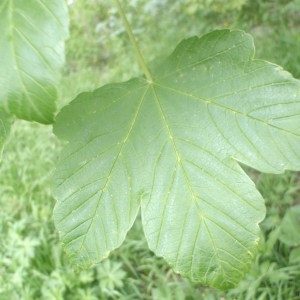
(32, 264)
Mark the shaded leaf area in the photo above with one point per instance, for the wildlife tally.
(31, 56)
(172, 147)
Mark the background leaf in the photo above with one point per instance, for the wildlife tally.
(31, 55)
(174, 144)
(289, 228)
(5, 124)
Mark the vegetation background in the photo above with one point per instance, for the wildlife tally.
(32, 265)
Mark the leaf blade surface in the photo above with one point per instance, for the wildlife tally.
(101, 197)
(32, 54)
(210, 106)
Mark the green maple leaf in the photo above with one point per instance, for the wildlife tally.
(172, 147)
(31, 56)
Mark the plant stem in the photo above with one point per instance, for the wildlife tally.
(138, 53)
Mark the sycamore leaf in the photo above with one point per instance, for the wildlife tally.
(31, 56)
(172, 147)
(5, 125)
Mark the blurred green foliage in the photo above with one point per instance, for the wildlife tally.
(99, 51)
(32, 265)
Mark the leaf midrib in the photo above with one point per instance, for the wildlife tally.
(223, 107)
(192, 193)
(16, 62)
(178, 158)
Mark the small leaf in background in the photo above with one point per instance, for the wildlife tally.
(172, 146)
(31, 56)
(295, 256)
(289, 228)
(5, 124)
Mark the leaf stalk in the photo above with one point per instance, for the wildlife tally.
(134, 43)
